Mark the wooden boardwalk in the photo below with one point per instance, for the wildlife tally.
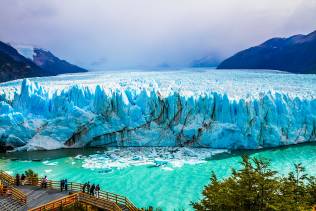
(37, 196)
(33, 198)
(10, 204)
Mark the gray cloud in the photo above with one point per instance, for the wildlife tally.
(121, 34)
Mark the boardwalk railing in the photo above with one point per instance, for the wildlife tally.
(104, 197)
(6, 178)
(78, 197)
(18, 195)
(10, 190)
(98, 202)
(62, 202)
(78, 187)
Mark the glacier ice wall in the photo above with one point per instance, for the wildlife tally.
(33, 116)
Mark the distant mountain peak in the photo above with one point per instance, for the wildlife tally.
(52, 63)
(206, 61)
(296, 54)
(47, 60)
(21, 61)
(14, 66)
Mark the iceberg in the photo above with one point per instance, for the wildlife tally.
(220, 109)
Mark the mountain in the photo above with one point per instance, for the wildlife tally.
(53, 64)
(47, 60)
(207, 61)
(20, 61)
(14, 66)
(296, 54)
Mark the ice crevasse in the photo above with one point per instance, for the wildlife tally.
(33, 116)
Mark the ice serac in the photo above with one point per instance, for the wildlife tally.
(33, 115)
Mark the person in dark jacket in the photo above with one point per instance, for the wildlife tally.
(88, 187)
(17, 179)
(62, 185)
(23, 178)
(84, 188)
(92, 190)
(66, 184)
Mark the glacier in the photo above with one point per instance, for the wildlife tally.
(220, 109)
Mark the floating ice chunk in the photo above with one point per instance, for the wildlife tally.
(178, 163)
(48, 171)
(49, 163)
(160, 162)
(166, 168)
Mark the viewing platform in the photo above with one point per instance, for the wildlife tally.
(31, 197)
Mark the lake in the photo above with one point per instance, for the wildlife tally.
(133, 173)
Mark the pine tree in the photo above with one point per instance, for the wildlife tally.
(256, 187)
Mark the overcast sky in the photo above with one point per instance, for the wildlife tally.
(102, 34)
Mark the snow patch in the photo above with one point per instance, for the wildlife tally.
(25, 50)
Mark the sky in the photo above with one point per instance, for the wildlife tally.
(118, 34)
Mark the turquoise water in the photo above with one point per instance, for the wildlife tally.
(168, 189)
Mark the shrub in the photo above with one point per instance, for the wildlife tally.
(31, 176)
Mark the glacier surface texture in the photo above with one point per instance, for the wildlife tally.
(216, 109)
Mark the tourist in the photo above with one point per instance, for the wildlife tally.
(92, 190)
(66, 184)
(88, 187)
(44, 182)
(97, 190)
(23, 178)
(17, 179)
(84, 188)
(62, 184)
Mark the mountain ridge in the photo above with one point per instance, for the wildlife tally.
(17, 63)
(48, 61)
(14, 66)
(295, 54)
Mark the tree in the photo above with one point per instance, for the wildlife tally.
(31, 176)
(256, 187)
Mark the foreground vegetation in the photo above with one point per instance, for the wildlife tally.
(257, 187)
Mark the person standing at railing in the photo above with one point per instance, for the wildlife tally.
(84, 188)
(23, 177)
(66, 184)
(17, 179)
(44, 182)
(62, 184)
(97, 191)
(92, 190)
(88, 187)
